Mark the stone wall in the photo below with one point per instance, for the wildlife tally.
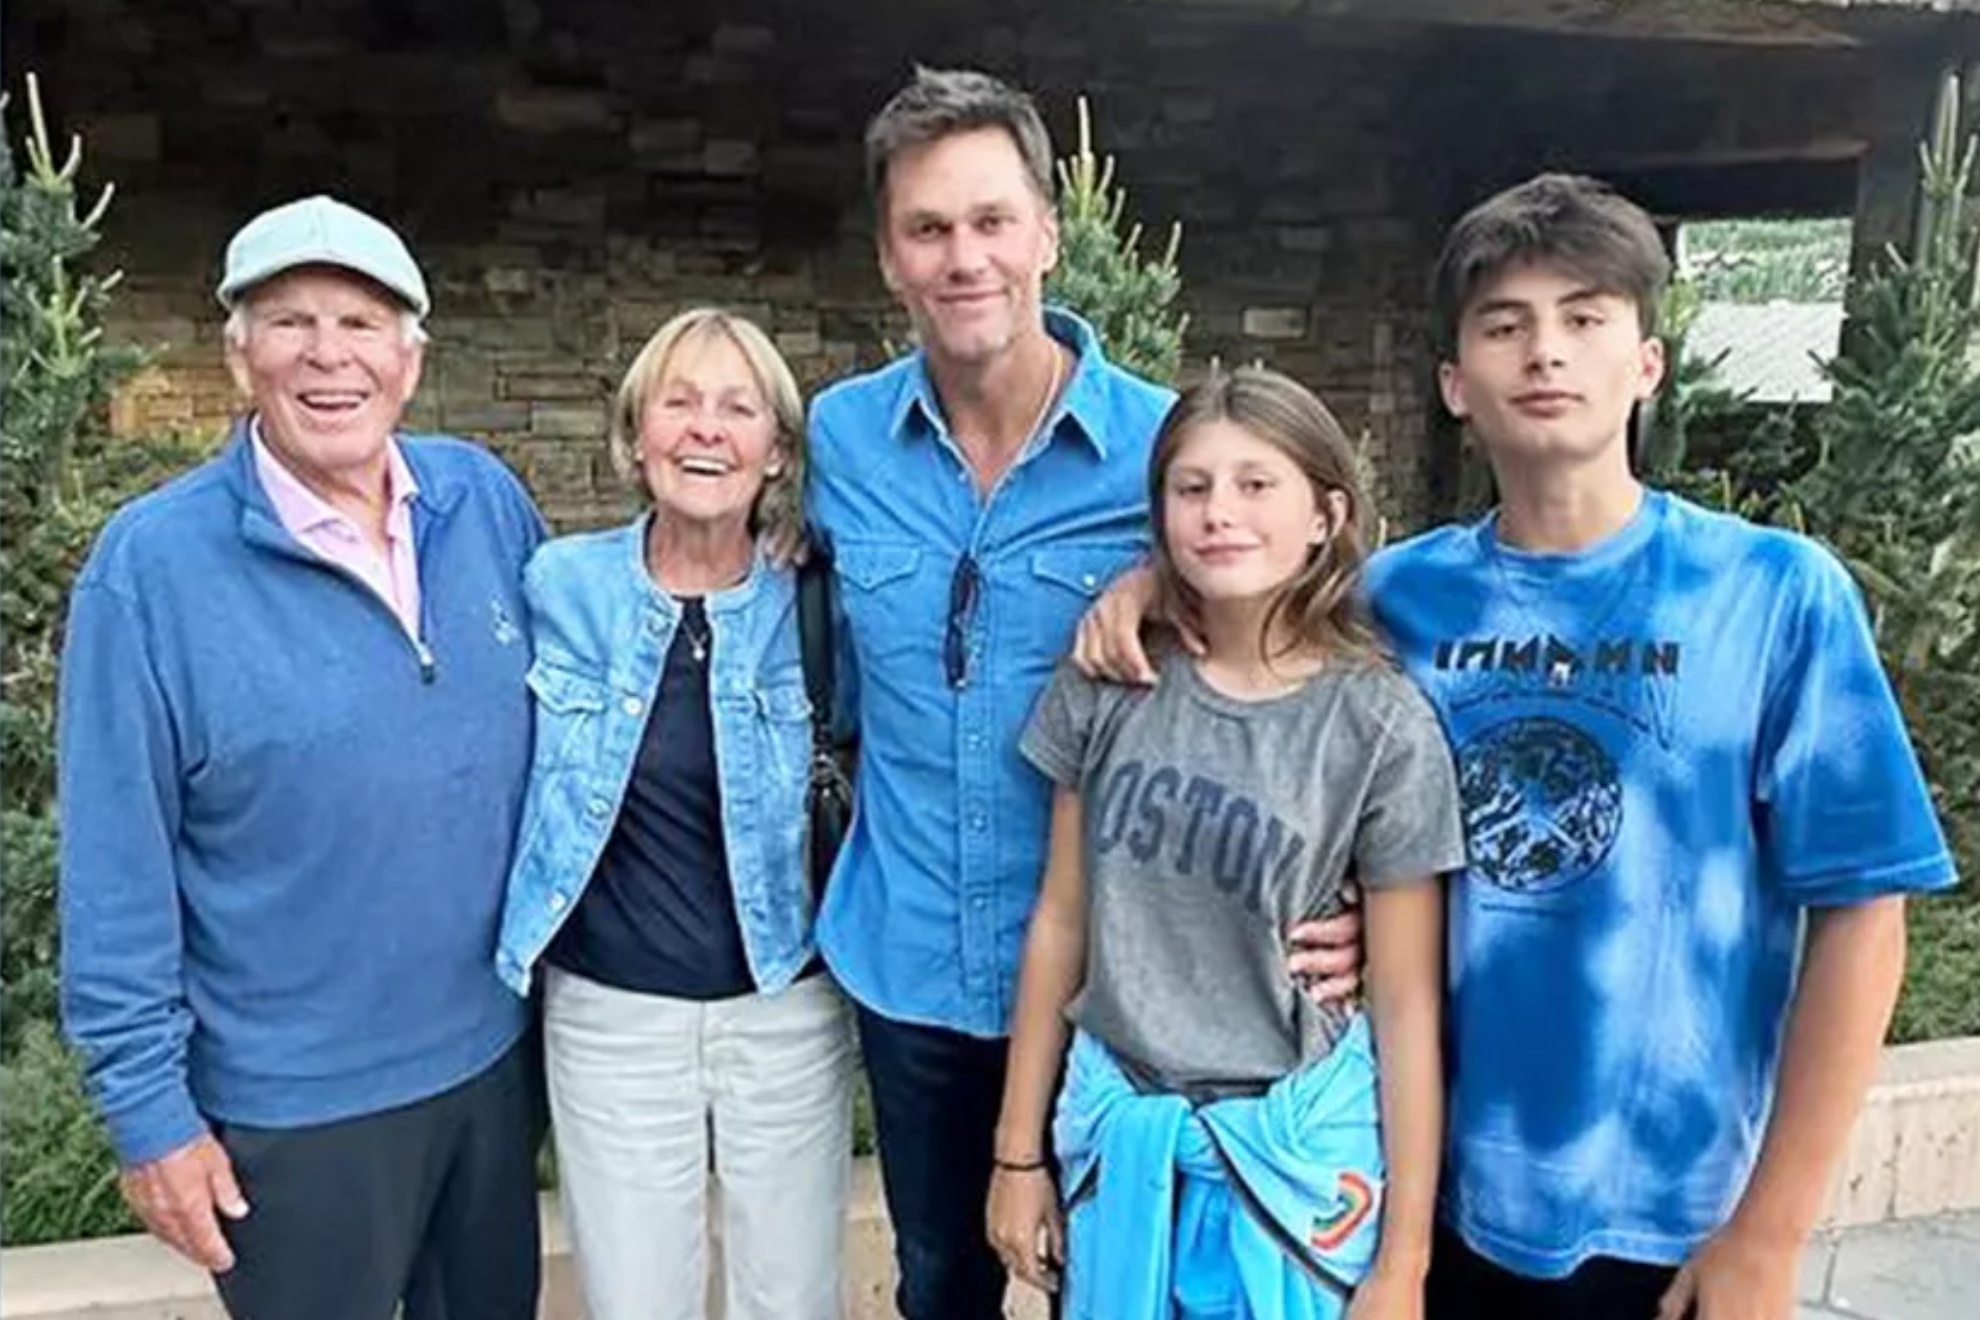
(572, 173)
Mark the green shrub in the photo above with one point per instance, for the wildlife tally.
(61, 1175)
(1942, 978)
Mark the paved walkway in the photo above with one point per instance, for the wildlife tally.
(1923, 1269)
(1920, 1269)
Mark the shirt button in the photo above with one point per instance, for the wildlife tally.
(975, 742)
(979, 902)
(655, 627)
(1089, 581)
(557, 902)
(979, 822)
(632, 705)
(597, 807)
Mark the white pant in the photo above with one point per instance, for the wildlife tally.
(637, 1085)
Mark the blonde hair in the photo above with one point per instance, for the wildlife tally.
(1322, 607)
(780, 504)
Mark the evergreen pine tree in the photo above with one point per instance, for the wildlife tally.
(1102, 274)
(60, 476)
(1888, 474)
(56, 374)
(1894, 483)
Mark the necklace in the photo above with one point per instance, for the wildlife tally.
(1051, 393)
(698, 638)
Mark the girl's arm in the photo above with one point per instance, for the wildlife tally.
(1405, 932)
(1023, 1212)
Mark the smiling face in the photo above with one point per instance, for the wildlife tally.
(1239, 518)
(1548, 367)
(707, 434)
(326, 360)
(965, 243)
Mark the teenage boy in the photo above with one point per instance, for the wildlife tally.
(1693, 815)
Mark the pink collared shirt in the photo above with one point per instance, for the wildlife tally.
(312, 520)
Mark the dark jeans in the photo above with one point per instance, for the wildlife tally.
(1466, 1286)
(432, 1204)
(935, 1099)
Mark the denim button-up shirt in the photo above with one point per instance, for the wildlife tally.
(601, 634)
(925, 916)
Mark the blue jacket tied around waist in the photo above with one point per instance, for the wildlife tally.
(1264, 1207)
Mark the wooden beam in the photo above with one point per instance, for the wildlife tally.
(1787, 188)
(1726, 22)
(1828, 148)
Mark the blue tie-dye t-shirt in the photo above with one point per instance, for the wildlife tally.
(1668, 746)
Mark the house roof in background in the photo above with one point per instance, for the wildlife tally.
(1770, 349)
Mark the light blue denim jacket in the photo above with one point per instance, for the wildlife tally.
(602, 629)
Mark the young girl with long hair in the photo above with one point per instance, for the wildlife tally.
(1226, 1147)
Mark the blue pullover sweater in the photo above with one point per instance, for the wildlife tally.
(285, 826)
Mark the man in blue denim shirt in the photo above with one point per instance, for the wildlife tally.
(975, 497)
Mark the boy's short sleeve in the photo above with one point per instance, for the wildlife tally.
(1411, 824)
(1843, 812)
(1060, 731)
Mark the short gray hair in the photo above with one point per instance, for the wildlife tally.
(411, 332)
(942, 102)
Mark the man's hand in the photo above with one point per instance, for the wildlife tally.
(1026, 1227)
(1325, 957)
(1736, 1275)
(1108, 644)
(177, 1195)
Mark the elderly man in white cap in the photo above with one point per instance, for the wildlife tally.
(294, 739)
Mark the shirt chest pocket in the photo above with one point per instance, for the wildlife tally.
(784, 716)
(885, 598)
(570, 715)
(1063, 584)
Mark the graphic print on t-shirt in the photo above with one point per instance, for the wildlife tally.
(1191, 825)
(1542, 791)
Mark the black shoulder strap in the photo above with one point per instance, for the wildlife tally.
(814, 603)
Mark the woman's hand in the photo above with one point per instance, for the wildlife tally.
(1026, 1227)
(1388, 1295)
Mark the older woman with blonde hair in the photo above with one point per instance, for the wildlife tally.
(691, 1034)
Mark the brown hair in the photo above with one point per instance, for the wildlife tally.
(1579, 224)
(942, 102)
(1322, 607)
(779, 507)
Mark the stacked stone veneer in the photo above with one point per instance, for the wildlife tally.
(572, 173)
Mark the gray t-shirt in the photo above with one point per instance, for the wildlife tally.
(1213, 826)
